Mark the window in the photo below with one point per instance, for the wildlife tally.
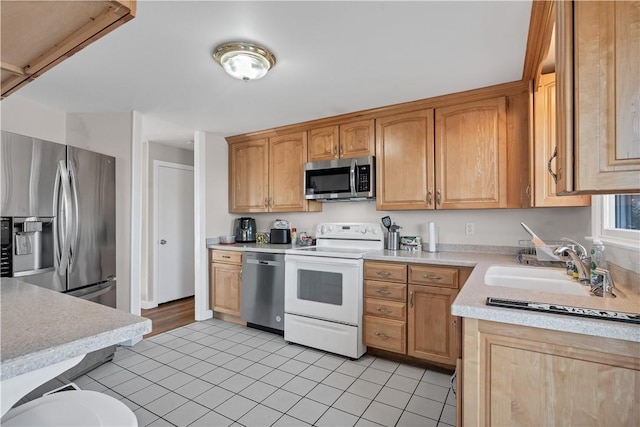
(616, 219)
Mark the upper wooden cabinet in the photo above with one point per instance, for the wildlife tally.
(544, 162)
(347, 140)
(404, 162)
(471, 155)
(474, 156)
(267, 175)
(597, 63)
(37, 35)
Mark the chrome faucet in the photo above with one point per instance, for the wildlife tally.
(580, 257)
(605, 287)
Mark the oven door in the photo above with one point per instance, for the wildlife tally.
(323, 288)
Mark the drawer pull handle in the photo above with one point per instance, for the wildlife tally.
(383, 273)
(226, 256)
(383, 336)
(384, 310)
(383, 291)
(431, 277)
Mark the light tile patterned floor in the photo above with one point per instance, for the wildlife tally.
(214, 373)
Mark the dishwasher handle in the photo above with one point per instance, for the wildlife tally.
(264, 262)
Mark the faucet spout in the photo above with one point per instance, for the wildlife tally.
(582, 262)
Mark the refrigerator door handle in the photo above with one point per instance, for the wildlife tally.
(66, 192)
(57, 238)
(91, 292)
(74, 231)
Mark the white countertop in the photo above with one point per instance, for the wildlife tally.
(41, 327)
(254, 247)
(471, 301)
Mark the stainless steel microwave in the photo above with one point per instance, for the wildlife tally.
(343, 179)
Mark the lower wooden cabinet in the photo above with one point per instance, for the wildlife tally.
(407, 309)
(517, 375)
(433, 332)
(225, 282)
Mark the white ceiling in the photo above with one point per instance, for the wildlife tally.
(332, 58)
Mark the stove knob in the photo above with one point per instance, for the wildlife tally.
(331, 228)
(323, 229)
(363, 230)
(375, 231)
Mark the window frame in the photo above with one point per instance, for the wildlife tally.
(602, 212)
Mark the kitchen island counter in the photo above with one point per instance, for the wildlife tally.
(41, 327)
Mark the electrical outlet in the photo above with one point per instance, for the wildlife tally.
(469, 228)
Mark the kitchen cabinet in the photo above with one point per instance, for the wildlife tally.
(518, 375)
(597, 63)
(385, 308)
(404, 162)
(267, 175)
(468, 155)
(545, 148)
(408, 309)
(346, 140)
(225, 281)
(471, 155)
(433, 331)
(37, 36)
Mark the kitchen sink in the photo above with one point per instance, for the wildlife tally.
(553, 280)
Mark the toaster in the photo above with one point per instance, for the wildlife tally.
(281, 236)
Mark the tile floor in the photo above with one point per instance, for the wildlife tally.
(215, 373)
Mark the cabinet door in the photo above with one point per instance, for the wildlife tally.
(598, 95)
(432, 333)
(323, 144)
(357, 139)
(287, 156)
(404, 149)
(249, 176)
(471, 155)
(544, 148)
(226, 288)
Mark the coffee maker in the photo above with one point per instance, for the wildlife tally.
(245, 230)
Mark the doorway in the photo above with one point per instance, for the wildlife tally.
(173, 242)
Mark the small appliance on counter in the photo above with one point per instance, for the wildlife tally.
(245, 230)
(281, 232)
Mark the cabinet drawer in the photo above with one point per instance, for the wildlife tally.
(392, 272)
(385, 334)
(435, 276)
(228, 257)
(385, 290)
(387, 309)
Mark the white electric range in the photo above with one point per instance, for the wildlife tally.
(324, 288)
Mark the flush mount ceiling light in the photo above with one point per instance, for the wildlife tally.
(245, 61)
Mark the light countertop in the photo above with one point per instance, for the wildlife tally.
(253, 247)
(41, 327)
(471, 301)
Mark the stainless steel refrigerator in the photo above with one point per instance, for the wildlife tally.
(58, 217)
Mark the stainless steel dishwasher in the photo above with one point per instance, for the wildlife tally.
(263, 290)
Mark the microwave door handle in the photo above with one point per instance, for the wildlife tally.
(352, 177)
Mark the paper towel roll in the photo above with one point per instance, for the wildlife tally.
(432, 236)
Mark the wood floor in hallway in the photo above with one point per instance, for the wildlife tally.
(170, 315)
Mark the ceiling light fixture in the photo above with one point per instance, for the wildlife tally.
(245, 61)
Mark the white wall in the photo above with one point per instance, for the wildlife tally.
(218, 220)
(111, 133)
(26, 117)
(155, 151)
